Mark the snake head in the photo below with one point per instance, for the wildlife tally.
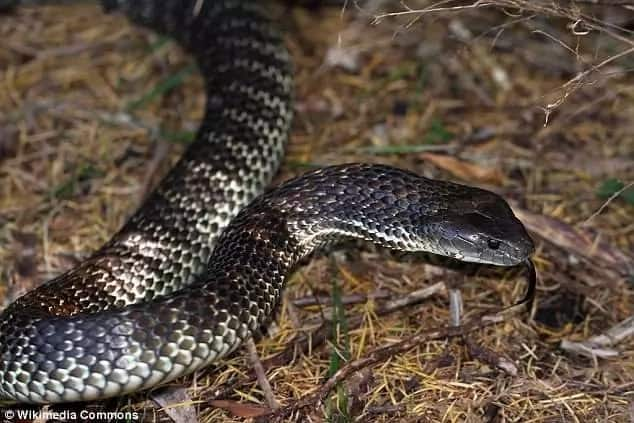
(482, 229)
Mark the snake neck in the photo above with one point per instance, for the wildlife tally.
(267, 240)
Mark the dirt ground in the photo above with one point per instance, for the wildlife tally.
(534, 103)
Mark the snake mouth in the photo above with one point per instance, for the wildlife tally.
(504, 254)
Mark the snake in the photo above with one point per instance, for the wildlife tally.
(201, 265)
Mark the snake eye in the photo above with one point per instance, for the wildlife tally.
(494, 244)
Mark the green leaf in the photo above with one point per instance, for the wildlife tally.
(69, 187)
(402, 71)
(178, 137)
(398, 149)
(160, 42)
(437, 133)
(611, 186)
(423, 78)
(162, 88)
(340, 338)
(337, 408)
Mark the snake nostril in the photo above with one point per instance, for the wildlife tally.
(494, 244)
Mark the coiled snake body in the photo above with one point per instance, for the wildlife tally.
(194, 272)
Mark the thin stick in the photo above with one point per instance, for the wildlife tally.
(376, 356)
(599, 345)
(608, 201)
(311, 340)
(261, 375)
(455, 306)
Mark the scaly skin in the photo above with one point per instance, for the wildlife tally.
(174, 290)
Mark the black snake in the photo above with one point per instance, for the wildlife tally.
(194, 272)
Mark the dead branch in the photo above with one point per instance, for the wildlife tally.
(376, 356)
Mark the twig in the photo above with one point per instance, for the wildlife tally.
(491, 357)
(376, 356)
(558, 41)
(605, 2)
(261, 375)
(411, 298)
(312, 300)
(605, 204)
(384, 353)
(386, 409)
(434, 8)
(319, 335)
(160, 153)
(599, 345)
(575, 14)
(310, 340)
(573, 84)
(455, 306)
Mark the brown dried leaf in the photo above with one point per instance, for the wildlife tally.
(8, 141)
(25, 275)
(357, 388)
(177, 404)
(465, 170)
(577, 241)
(239, 409)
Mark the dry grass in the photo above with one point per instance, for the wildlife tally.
(78, 150)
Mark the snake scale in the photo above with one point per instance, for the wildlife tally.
(202, 264)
